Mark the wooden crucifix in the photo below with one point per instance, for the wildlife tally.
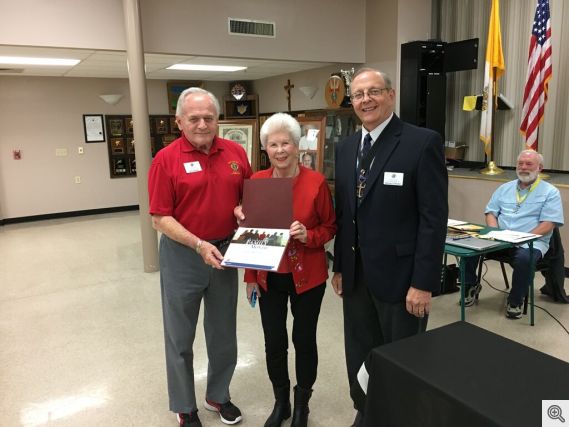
(288, 87)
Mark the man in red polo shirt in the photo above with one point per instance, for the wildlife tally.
(194, 184)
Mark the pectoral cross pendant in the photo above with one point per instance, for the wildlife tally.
(360, 189)
(361, 184)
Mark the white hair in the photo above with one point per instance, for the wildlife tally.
(190, 91)
(531, 153)
(280, 122)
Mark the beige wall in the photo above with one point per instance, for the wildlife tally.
(273, 95)
(63, 23)
(314, 30)
(39, 115)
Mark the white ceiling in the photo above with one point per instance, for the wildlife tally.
(112, 64)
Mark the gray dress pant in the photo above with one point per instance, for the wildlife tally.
(184, 281)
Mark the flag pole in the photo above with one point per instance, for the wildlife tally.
(491, 168)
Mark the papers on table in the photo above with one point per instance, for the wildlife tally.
(453, 222)
(468, 227)
(512, 236)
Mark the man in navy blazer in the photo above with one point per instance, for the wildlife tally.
(391, 211)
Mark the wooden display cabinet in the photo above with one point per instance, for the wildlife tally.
(246, 108)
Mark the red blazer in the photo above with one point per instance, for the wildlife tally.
(312, 206)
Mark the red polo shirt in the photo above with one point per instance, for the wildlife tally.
(199, 190)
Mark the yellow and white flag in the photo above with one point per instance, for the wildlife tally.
(493, 70)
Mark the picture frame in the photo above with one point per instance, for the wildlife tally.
(244, 132)
(94, 127)
(175, 88)
(313, 134)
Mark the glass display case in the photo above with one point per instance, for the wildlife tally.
(340, 123)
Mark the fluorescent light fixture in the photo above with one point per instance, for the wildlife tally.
(196, 67)
(24, 60)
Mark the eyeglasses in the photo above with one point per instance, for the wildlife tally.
(371, 93)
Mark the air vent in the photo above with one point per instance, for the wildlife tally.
(248, 27)
(11, 70)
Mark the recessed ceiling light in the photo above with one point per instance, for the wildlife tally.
(23, 60)
(196, 67)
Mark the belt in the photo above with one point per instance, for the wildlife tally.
(220, 243)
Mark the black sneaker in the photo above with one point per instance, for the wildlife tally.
(189, 420)
(471, 293)
(513, 311)
(228, 412)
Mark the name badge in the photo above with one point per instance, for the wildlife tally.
(393, 178)
(192, 167)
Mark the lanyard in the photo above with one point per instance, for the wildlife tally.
(520, 199)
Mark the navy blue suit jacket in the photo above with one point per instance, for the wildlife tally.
(401, 228)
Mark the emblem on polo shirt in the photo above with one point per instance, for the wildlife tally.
(234, 167)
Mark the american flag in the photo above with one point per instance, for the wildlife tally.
(538, 75)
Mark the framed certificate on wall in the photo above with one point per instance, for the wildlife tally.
(244, 132)
(94, 127)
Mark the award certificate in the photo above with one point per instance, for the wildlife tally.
(261, 240)
(257, 248)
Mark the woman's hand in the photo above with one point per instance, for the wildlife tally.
(250, 288)
(298, 231)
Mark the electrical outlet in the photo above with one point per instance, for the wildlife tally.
(61, 152)
(77, 180)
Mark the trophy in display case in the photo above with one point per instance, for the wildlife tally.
(347, 76)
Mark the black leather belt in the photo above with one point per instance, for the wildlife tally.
(220, 243)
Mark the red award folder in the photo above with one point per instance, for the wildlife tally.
(262, 237)
(267, 203)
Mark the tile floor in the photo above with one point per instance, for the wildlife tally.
(81, 333)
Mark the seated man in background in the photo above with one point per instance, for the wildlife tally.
(526, 204)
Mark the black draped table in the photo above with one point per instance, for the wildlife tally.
(461, 375)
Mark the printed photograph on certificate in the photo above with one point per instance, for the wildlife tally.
(257, 248)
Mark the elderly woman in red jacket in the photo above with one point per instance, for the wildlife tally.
(302, 274)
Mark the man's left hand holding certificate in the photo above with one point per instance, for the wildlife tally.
(263, 234)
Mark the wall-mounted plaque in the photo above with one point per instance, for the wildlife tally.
(161, 125)
(128, 124)
(119, 166)
(130, 145)
(117, 146)
(173, 125)
(168, 139)
(116, 127)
